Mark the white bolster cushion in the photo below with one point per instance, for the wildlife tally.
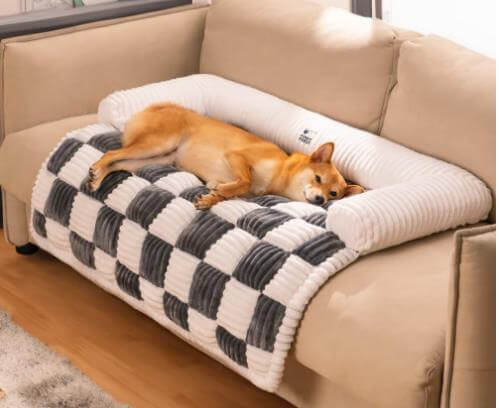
(410, 195)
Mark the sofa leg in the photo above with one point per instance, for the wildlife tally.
(28, 249)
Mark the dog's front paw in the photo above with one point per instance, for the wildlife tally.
(206, 201)
(95, 177)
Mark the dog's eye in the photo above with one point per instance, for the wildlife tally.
(318, 179)
(333, 193)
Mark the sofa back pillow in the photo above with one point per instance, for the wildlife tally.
(443, 105)
(411, 195)
(322, 58)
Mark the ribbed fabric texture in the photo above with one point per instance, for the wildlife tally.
(411, 195)
(233, 280)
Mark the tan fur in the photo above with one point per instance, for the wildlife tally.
(231, 161)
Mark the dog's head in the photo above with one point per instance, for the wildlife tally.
(317, 180)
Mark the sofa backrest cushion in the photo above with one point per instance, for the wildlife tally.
(444, 104)
(322, 58)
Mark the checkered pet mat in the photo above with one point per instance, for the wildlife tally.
(233, 281)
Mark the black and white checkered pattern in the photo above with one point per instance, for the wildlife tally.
(233, 280)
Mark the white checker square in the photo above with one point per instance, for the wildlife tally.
(124, 193)
(177, 182)
(76, 169)
(202, 328)
(292, 234)
(153, 298)
(130, 241)
(226, 253)
(105, 264)
(86, 133)
(298, 209)
(172, 220)
(57, 235)
(288, 279)
(232, 210)
(179, 274)
(84, 215)
(237, 307)
(42, 190)
(258, 360)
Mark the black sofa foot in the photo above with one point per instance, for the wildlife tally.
(28, 249)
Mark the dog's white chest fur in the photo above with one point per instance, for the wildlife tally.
(261, 176)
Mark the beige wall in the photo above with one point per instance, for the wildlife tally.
(469, 23)
(10, 7)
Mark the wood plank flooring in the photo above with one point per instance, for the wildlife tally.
(126, 353)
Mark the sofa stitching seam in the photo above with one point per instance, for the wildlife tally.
(429, 374)
(392, 80)
(3, 47)
(5, 222)
(5, 216)
(453, 320)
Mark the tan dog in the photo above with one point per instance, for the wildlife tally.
(230, 160)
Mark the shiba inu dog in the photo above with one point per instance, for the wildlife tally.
(232, 161)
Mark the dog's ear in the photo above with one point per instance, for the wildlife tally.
(323, 154)
(353, 189)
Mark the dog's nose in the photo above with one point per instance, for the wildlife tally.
(319, 200)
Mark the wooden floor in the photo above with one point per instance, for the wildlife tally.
(132, 357)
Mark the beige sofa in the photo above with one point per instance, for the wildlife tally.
(411, 326)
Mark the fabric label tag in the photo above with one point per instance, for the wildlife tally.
(307, 136)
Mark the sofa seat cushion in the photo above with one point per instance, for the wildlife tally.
(377, 329)
(22, 153)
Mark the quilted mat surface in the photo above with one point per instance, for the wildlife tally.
(233, 281)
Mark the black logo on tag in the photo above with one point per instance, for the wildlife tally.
(306, 136)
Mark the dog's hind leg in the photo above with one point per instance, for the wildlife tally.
(150, 147)
(239, 187)
(136, 164)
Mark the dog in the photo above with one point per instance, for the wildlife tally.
(231, 161)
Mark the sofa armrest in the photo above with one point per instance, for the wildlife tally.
(469, 374)
(64, 73)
